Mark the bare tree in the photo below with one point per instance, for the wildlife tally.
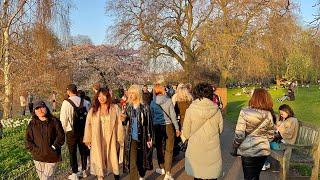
(164, 28)
(16, 17)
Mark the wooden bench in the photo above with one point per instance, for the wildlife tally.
(306, 150)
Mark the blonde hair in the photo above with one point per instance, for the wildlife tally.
(137, 90)
(183, 93)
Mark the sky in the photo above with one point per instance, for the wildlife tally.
(89, 18)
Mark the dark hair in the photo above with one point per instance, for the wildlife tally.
(48, 114)
(81, 94)
(72, 88)
(286, 108)
(96, 104)
(203, 90)
(261, 99)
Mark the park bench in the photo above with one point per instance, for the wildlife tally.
(306, 150)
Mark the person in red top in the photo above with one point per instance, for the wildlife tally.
(216, 98)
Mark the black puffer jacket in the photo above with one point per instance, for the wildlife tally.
(40, 137)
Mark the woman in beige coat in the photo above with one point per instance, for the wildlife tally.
(103, 135)
(203, 125)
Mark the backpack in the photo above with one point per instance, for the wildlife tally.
(79, 116)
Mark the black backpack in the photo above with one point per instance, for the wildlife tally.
(79, 116)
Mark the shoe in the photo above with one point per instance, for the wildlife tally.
(84, 174)
(141, 178)
(266, 166)
(160, 171)
(168, 176)
(73, 176)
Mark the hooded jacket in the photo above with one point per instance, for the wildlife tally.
(203, 125)
(169, 113)
(41, 136)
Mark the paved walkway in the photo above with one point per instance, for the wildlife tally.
(178, 163)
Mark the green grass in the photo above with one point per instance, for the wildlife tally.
(306, 105)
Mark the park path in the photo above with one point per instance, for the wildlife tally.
(178, 163)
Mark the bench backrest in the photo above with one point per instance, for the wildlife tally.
(308, 134)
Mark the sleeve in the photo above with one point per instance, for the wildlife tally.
(87, 137)
(271, 128)
(64, 115)
(29, 144)
(120, 128)
(240, 134)
(150, 129)
(288, 129)
(186, 129)
(173, 116)
(60, 139)
(220, 121)
(125, 122)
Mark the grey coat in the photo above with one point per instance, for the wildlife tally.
(257, 143)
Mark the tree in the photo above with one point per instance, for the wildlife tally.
(233, 38)
(16, 17)
(81, 40)
(164, 28)
(104, 63)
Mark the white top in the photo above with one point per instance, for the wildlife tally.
(66, 113)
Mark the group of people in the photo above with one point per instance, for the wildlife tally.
(109, 133)
(259, 130)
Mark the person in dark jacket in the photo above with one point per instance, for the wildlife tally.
(138, 140)
(146, 95)
(44, 138)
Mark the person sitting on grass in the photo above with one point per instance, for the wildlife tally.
(288, 96)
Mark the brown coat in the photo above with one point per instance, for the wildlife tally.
(288, 129)
(103, 152)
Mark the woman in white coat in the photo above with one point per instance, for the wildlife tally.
(202, 127)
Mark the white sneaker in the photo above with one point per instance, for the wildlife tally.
(266, 166)
(168, 177)
(160, 171)
(141, 178)
(73, 176)
(84, 174)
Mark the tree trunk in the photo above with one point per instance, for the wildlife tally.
(223, 78)
(6, 75)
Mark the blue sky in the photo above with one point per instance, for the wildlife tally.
(89, 18)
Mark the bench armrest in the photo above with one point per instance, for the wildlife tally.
(296, 146)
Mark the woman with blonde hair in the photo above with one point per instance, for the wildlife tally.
(103, 134)
(138, 141)
(254, 131)
(183, 101)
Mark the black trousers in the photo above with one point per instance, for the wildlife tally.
(252, 167)
(136, 161)
(30, 107)
(74, 141)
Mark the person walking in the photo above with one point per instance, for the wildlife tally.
(23, 105)
(165, 127)
(44, 138)
(103, 134)
(254, 131)
(54, 101)
(30, 102)
(138, 141)
(73, 115)
(202, 126)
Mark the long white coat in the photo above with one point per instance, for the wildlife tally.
(203, 125)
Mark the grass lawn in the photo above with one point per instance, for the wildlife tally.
(306, 105)
(306, 108)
